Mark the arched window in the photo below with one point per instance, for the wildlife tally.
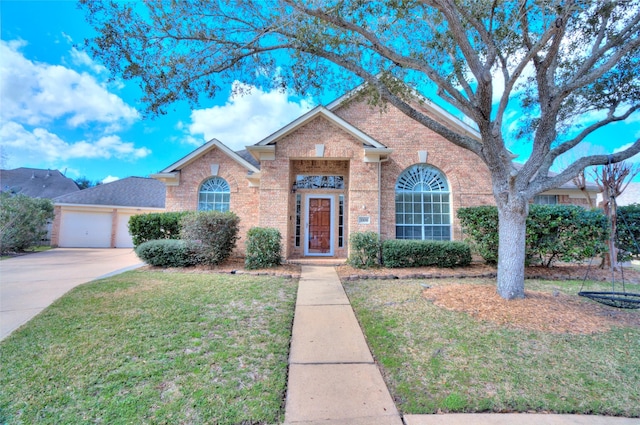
(422, 204)
(214, 195)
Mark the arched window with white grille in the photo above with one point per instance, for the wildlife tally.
(214, 195)
(423, 209)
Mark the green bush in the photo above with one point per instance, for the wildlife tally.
(264, 248)
(564, 233)
(628, 232)
(166, 253)
(23, 221)
(417, 253)
(149, 227)
(554, 232)
(365, 250)
(211, 234)
(480, 225)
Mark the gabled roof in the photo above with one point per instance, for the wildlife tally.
(137, 192)
(36, 183)
(424, 103)
(312, 114)
(211, 144)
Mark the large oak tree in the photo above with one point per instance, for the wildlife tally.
(570, 65)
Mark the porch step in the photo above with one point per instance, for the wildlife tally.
(317, 261)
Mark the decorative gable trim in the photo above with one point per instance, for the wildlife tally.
(312, 114)
(456, 123)
(169, 179)
(213, 143)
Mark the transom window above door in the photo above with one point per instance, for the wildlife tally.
(319, 182)
(214, 195)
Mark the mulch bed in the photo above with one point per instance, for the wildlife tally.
(538, 311)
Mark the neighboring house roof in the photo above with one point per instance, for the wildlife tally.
(570, 185)
(36, 183)
(137, 192)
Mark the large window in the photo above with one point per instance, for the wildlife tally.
(214, 195)
(422, 204)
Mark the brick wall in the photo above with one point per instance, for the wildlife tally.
(244, 200)
(469, 179)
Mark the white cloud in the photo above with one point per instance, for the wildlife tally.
(110, 179)
(81, 58)
(635, 158)
(40, 146)
(244, 119)
(36, 93)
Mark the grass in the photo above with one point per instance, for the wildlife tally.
(153, 347)
(435, 360)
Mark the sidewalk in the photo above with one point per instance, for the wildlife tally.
(333, 379)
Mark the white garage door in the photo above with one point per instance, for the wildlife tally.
(123, 238)
(85, 230)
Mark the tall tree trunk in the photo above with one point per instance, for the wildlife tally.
(512, 229)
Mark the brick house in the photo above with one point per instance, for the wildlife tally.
(341, 168)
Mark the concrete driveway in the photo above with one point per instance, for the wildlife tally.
(30, 283)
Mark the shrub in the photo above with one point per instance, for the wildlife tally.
(211, 234)
(628, 232)
(565, 233)
(365, 250)
(554, 232)
(263, 248)
(23, 221)
(480, 225)
(414, 253)
(166, 253)
(149, 227)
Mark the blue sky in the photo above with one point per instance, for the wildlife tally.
(58, 110)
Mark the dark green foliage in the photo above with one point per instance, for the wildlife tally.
(414, 253)
(23, 221)
(628, 232)
(365, 250)
(212, 234)
(480, 225)
(554, 233)
(166, 253)
(564, 233)
(264, 248)
(148, 227)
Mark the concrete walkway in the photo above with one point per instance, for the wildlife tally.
(30, 283)
(332, 376)
(333, 379)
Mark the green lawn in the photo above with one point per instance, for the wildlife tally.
(153, 347)
(436, 359)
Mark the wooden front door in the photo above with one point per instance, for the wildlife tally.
(319, 237)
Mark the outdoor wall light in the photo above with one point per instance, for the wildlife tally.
(294, 187)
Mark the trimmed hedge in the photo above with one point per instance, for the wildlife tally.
(211, 234)
(414, 253)
(365, 250)
(628, 232)
(166, 253)
(264, 248)
(554, 232)
(154, 226)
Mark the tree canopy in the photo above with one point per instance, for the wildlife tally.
(571, 65)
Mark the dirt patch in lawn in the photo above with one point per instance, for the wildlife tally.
(539, 311)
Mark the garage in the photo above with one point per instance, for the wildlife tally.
(85, 230)
(98, 217)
